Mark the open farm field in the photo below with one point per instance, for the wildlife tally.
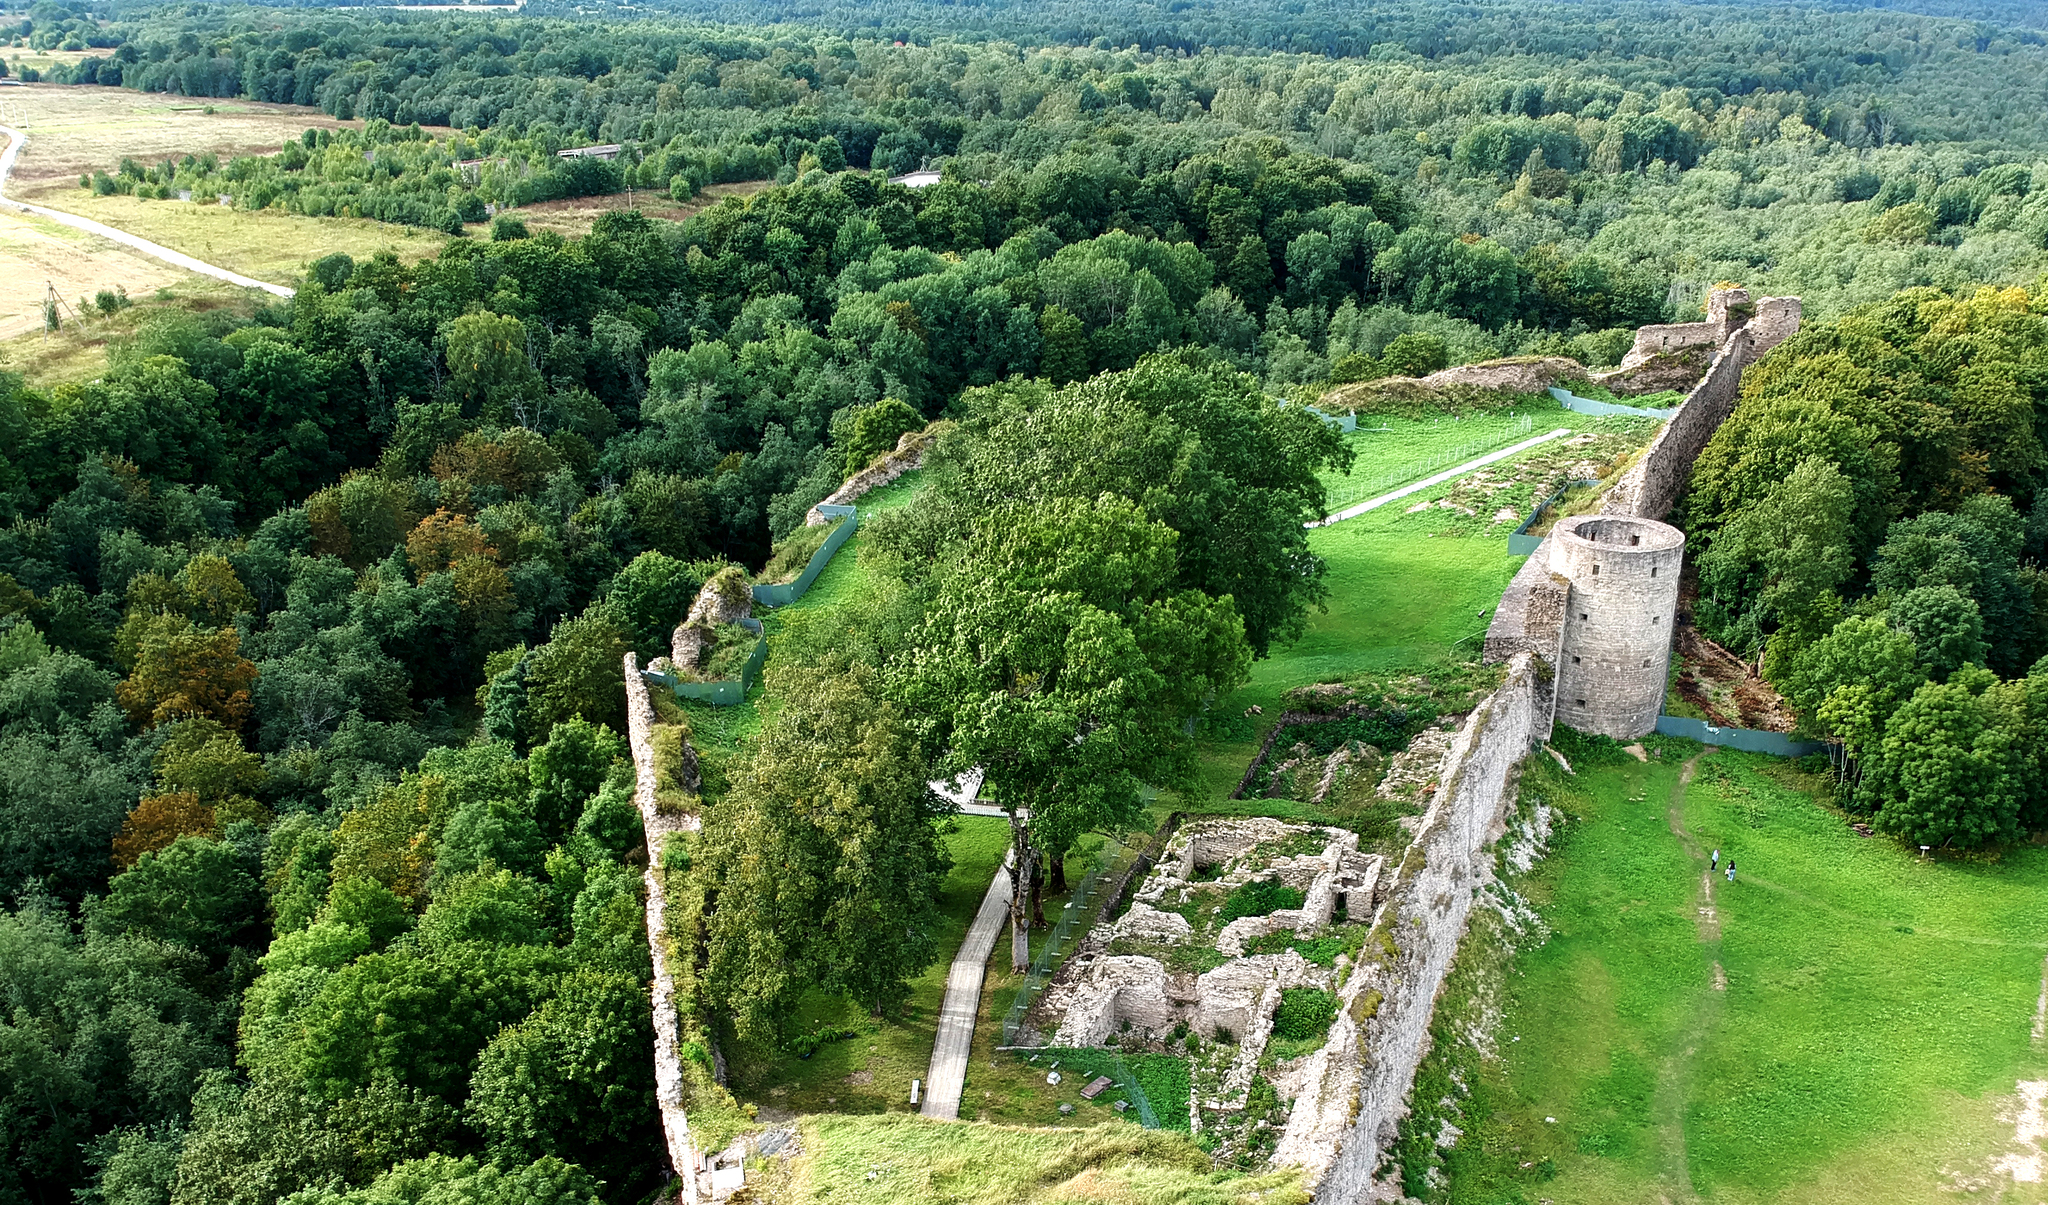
(19, 57)
(37, 254)
(1844, 1022)
(82, 128)
(77, 350)
(73, 130)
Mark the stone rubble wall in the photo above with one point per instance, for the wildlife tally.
(909, 454)
(1777, 319)
(669, 1092)
(1355, 1089)
(1651, 486)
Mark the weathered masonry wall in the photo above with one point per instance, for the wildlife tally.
(1358, 1086)
(668, 1068)
(1616, 654)
(1651, 486)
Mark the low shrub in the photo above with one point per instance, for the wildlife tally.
(804, 1045)
(1260, 897)
(793, 555)
(1304, 1012)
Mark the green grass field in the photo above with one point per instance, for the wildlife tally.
(897, 1160)
(1846, 1022)
(1393, 450)
(1402, 597)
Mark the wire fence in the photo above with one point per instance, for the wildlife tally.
(1093, 1061)
(1135, 1093)
(1348, 490)
(1079, 906)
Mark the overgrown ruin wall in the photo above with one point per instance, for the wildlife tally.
(1357, 1088)
(1357, 1091)
(1651, 486)
(669, 1089)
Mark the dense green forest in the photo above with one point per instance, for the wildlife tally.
(1842, 184)
(317, 845)
(1875, 527)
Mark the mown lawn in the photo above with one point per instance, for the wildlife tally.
(896, 1160)
(1393, 451)
(1401, 598)
(1875, 1017)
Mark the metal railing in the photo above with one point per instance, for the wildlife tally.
(1078, 907)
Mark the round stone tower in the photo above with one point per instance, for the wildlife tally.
(1616, 649)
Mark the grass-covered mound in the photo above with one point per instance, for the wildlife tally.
(891, 1159)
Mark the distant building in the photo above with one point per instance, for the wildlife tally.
(610, 151)
(917, 179)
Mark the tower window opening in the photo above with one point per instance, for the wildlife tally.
(1646, 663)
(1582, 617)
(1633, 540)
(1653, 571)
(1596, 571)
(1582, 702)
(1575, 661)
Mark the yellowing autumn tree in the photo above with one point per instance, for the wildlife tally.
(183, 670)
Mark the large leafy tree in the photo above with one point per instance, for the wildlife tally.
(821, 866)
(1949, 770)
(1197, 446)
(1062, 657)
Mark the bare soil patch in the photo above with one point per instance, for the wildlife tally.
(576, 214)
(1719, 684)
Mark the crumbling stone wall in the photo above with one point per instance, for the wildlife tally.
(1616, 656)
(909, 454)
(668, 1068)
(1651, 486)
(724, 599)
(1356, 1088)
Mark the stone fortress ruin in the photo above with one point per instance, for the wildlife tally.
(1615, 656)
(1182, 970)
(1675, 355)
(1584, 632)
(1597, 602)
(1239, 926)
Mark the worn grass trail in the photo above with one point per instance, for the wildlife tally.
(1844, 1023)
(1667, 1106)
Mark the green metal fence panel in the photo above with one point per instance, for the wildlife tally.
(1586, 405)
(1749, 740)
(724, 692)
(1079, 910)
(730, 692)
(1520, 542)
(784, 593)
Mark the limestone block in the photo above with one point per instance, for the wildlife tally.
(1117, 988)
(1230, 995)
(1243, 931)
(1146, 923)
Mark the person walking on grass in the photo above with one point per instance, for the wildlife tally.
(1716, 864)
(1731, 870)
